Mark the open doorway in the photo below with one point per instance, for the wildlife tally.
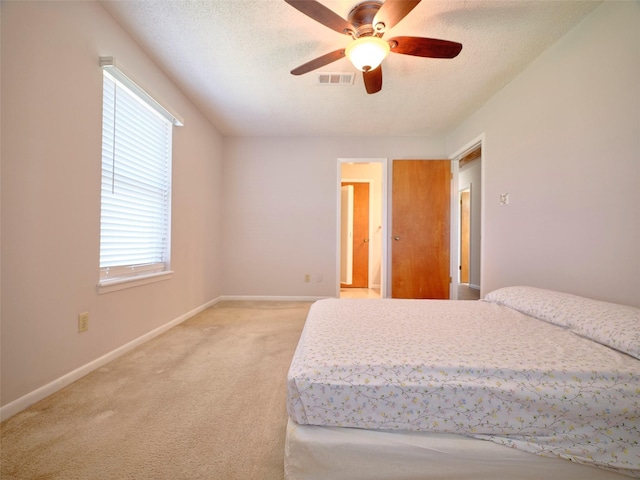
(469, 215)
(355, 235)
(361, 225)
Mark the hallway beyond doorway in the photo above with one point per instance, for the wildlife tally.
(466, 292)
(359, 293)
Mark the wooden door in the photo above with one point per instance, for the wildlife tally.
(465, 235)
(360, 271)
(421, 211)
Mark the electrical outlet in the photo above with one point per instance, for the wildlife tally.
(307, 277)
(83, 322)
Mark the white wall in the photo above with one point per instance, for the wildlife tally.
(51, 143)
(280, 208)
(563, 139)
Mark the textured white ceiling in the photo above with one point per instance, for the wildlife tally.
(233, 58)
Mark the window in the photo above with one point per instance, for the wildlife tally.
(136, 184)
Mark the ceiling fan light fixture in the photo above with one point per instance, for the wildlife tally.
(367, 53)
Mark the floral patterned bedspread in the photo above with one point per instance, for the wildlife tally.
(471, 368)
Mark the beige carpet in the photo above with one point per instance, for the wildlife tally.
(205, 400)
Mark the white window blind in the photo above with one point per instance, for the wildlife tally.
(136, 183)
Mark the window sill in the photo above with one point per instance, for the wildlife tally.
(108, 286)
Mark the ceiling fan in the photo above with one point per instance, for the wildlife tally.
(366, 24)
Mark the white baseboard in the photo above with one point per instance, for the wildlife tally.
(475, 287)
(29, 399)
(269, 298)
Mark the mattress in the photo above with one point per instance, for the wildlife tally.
(476, 369)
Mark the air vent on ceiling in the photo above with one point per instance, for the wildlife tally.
(336, 78)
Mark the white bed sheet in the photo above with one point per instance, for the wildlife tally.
(322, 453)
(467, 368)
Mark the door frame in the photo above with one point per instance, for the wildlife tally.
(479, 141)
(384, 288)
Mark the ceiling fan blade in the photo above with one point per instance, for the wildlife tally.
(373, 80)
(323, 15)
(425, 47)
(392, 11)
(319, 62)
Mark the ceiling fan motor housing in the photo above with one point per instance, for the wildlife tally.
(361, 17)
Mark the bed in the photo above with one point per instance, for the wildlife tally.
(525, 384)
